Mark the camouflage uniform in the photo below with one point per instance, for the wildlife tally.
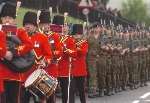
(124, 73)
(91, 61)
(109, 81)
(101, 65)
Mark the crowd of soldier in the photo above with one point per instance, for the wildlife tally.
(118, 59)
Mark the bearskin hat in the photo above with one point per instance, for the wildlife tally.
(30, 18)
(58, 20)
(45, 17)
(7, 9)
(77, 29)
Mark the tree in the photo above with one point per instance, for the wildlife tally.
(135, 10)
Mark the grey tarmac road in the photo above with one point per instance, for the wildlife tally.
(129, 96)
(140, 95)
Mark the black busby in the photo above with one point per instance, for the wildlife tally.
(45, 17)
(7, 9)
(77, 29)
(30, 18)
(58, 20)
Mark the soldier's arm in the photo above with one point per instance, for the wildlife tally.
(2, 44)
(83, 49)
(26, 43)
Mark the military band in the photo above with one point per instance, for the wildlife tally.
(115, 58)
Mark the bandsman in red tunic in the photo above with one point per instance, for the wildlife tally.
(10, 80)
(65, 64)
(41, 46)
(56, 47)
(79, 69)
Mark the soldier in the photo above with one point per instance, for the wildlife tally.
(93, 42)
(101, 65)
(79, 70)
(54, 41)
(124, 70)
(65, 64)
(42, 49)
(12, 80)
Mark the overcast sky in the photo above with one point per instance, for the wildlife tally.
(117, 3)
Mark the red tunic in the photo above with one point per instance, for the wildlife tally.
(2, 54)
(69, 46)
(26, 45)
(2, 44)
(41, 50)
(79, 63)
(57, 50)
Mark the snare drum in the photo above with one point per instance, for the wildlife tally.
(41, 84)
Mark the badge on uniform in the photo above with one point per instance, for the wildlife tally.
(51, 41)
(36, 44)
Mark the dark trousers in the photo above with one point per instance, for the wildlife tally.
(26, 95)
(79, 84)
(2, 98)
(12, 91)
(64, 89)
(51, 99)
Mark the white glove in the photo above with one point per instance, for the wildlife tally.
(8, 55)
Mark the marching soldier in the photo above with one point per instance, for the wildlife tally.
(79, 70)
(56, 47)
(65, 64)
(42, 49)
(12, 79)
(93, 42)
(101, 65)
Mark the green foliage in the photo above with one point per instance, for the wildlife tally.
(135, 10)
(20, 15)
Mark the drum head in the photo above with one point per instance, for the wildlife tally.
(33, 77)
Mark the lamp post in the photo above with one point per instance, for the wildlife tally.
(85, 5)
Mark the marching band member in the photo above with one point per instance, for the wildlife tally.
(42, 49)
(54, 41)
(64, 69)
(11, 79)
(79, 69)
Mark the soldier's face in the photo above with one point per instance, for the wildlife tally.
(30, 28)
(44, 27)
(8, 20)
(65, 29)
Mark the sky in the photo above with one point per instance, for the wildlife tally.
(117, 3)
